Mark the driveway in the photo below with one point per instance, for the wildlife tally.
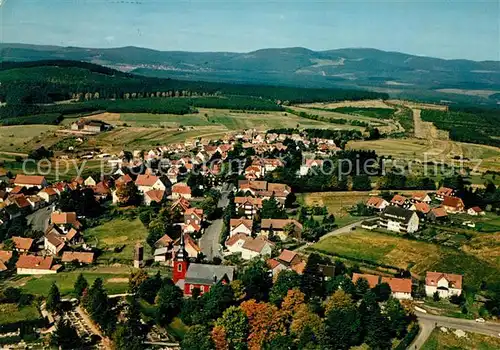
(429, 322)
(39, 220)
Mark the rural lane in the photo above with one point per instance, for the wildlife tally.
(337, 232)
(209, 241)
(429, 322)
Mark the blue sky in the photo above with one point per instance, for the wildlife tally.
(439, 28)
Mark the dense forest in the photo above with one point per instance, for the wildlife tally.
(30, 89)
(468, 124)
(50, 81)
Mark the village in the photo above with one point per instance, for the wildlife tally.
(221, 205)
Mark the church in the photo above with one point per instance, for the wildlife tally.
(188, 276)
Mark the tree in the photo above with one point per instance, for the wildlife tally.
(209, 206)
(397, 318)
(375, 324)
(219, 337)
(235, 324)
(219, 298)
(130, 334)
(150, 287)
(306, 322)
(374, 134)
(265, 323)
(256, 280)
(136, 278)
(65, 336)
(436, 296)
(197, 337)
(81, 285)
(271, 209)
(286, 280)
(97, 305)
(362, 287)
(169, 300)
(382, 291)
(338, 301)
(128, 194)
(341, 282)
(312, 283)
(290, 200)
(343, 327)
(361, 183)
(53, 303)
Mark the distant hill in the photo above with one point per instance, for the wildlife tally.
(401, 75)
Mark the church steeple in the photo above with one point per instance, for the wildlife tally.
(181, 254)
(181, 261)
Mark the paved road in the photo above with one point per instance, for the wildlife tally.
(39, 220)
(209, 242)
(428, 323)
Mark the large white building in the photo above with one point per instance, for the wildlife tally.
(399, 220)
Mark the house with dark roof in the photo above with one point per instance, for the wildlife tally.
(437, 214)
(399, 220)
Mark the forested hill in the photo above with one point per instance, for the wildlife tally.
(25, 86)
(50, 81)
(401, 75)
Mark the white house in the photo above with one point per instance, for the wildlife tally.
(249, 247)
(475, 211)
(240, 225)
(377, 203)
(400, 220)
(148, 182)
(445, 284)
(309, 164)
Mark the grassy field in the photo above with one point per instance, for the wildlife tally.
(440, 340)
(438, 150)
(115, 280)
(21, 138)
(393, 250)
(117, 239)
(10, 313)
(337, 203)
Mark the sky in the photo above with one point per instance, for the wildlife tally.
(439, 28)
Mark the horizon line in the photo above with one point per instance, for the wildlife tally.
(249, 52)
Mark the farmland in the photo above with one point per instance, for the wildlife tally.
(19, 137)
(393, 250)
(436, 150)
